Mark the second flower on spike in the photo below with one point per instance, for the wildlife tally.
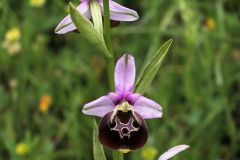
(117, 13)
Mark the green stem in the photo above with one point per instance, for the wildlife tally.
(110, 61)
(107, 38)
(117, 155)
(107, 35)
(110, 70)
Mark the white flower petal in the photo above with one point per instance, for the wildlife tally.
(172, 152)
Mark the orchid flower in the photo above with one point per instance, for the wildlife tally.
(123, 112)
(117, 13)
(173, 151)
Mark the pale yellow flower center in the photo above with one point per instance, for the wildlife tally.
(13, 35)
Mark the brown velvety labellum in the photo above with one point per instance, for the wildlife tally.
(123, 131)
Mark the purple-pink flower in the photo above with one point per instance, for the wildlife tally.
(123, 126)
(124, 78)
(117, 13)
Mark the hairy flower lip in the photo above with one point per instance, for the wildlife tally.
(117, 13)
(123, 137)
(124, 84)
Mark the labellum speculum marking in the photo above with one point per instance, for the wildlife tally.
(123, 129)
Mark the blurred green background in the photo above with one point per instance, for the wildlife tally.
(46, 78)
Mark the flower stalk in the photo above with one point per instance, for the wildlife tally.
(107, 38)
(98, 25)
(110, 70)
(110, 61)
(107, 34)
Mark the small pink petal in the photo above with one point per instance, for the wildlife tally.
(124, 75)
(148, 108)
(172, 152)
(99, 107)
(66, 25)
(120, 13)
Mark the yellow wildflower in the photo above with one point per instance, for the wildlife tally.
(210, 23)
(22, 149)
(13, 35)
(11, 42)
(45, 103)
(149, 153)
(37, 3)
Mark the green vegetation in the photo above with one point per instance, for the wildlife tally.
(45, 79)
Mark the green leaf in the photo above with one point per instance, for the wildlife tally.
(151, 68)
(88, 31)
(98, 152)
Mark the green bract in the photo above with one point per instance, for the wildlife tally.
(88, 31)
(96, 16)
